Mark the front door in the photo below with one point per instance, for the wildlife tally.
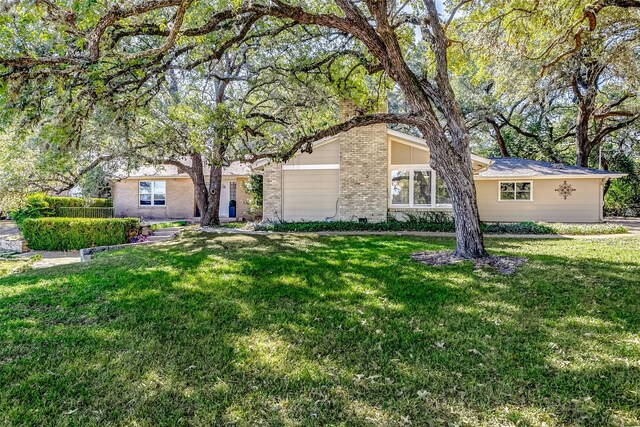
(224, 202)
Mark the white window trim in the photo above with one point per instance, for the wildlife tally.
(153, 194)
(234, 184)
(411, 169)
(500, 199)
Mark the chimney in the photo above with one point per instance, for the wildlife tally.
(348, 109)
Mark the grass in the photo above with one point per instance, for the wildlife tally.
(305, 330)
(12, 266)
(170, 224)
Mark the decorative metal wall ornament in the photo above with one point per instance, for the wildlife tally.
(565, 190)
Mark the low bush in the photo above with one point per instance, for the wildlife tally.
(56, 202)
(35, 206)
(51, 234)
(38, 205)
(413, 223)
(554, 228)
(527, 227)
(441, 223)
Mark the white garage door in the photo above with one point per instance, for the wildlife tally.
(310, 195)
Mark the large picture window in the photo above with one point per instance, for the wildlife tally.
(152, 193)
(418, 188)
(442, 194)
(400, 187)
(517, 191)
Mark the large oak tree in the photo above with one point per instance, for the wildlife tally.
(109, 48)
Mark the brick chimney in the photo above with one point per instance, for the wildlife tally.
(347, 109)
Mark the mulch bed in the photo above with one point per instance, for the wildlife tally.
(502, 264)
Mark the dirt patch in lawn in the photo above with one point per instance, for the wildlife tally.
(501, 264)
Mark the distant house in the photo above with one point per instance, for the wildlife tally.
(373, 172)
(163, 192)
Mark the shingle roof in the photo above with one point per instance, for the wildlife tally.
(512, 167)
(234, 169)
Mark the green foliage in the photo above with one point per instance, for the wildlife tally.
(38, 205)
(623, 195)
(253, 187)
(431, 221)
(54, 234)
(440, 221)
(76, 202)
(530, 227)
(172, 224)
(35, 206)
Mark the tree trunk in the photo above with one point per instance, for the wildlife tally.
(207, 198)
(582, 156)
(499, 139)
(458, 177)
(212, 216)
(583, 144)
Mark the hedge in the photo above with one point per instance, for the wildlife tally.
(444, 225)
(39, 205)
(56, 202)
(51, 234)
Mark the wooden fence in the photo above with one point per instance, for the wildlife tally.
(85, 212)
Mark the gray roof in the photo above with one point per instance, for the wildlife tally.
(514, 167)
(234, 169)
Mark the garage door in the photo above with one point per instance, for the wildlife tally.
(310, 195)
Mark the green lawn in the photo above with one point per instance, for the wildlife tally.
(12, 266)
(301, 330)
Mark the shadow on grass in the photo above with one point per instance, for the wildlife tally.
(280, 330)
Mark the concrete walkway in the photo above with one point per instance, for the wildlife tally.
(633, 224)
(8, 229)
(52, 258)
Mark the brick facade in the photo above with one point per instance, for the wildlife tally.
(364, 173)
(180, 199)
(272, 192)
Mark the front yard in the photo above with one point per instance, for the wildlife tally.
(307, 330)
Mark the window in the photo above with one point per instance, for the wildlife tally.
(152, 193)
(421, 187)
(518, 191)
(418, 187)
(233, 191)
(400, 187)
(442, 194)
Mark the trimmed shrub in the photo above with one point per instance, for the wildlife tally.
(39, 205)
(527, 227)
(414, 223)
(56, 202)
(443, 223)
(53, 234)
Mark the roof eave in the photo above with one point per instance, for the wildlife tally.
(559, 176)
